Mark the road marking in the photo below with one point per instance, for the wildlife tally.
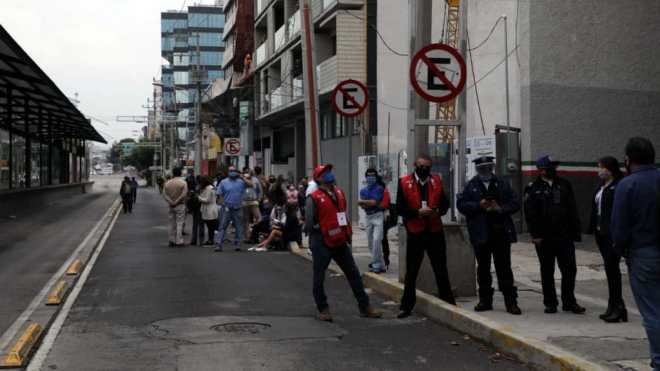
(39, 299)
(49, 340)
(19, 352)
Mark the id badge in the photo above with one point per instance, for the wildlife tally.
(341, 219)
(424, 204)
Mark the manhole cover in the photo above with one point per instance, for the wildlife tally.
(241, 327)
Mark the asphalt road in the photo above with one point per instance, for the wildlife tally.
(146, 306)
(35, 243)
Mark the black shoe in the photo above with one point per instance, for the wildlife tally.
(550, 310)
(483, 306)
(575, 308)
(172, 244)
(513, 309)
(607, 313)
(403, 314)
(618, 314)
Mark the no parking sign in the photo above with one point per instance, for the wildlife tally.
(350, 98)
(438, 73)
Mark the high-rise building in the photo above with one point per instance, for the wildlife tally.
(190, 39)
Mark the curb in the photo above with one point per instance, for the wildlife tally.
(538, 354)
(44, 315)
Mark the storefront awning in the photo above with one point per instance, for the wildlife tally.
(28, 94)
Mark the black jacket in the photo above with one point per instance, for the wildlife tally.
(602, 224)
(551, 211)
(478, 220)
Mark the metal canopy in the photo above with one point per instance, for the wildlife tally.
(29, 96)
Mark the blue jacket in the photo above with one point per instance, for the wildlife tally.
(477, 218)
(634, 224)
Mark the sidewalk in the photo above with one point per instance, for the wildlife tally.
(616, 346)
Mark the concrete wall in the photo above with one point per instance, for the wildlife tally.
(594, 76)
(351, 46)
(336, 151)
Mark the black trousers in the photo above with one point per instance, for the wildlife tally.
(127, 203)
(611, 260)
(211, 227)
(562, 251)
(197, 228)
(391, 222)
(436, 248)
(499, 249)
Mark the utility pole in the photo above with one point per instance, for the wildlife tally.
(312, 146)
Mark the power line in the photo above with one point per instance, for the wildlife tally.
(378, 33)
(489, 34)
(476, 89)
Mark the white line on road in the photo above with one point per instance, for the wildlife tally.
(49, 340)
(39, 299)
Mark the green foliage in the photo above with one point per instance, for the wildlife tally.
(141, 158)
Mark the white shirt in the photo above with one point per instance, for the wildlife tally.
(311, 188)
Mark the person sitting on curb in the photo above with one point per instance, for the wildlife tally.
(330, 238)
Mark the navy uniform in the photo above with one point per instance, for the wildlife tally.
(488, 203)
(553, 222)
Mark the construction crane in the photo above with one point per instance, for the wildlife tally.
(447, 111)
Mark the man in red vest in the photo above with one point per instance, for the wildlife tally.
(421, 201)
(327, 224)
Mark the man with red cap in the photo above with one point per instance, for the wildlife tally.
(326, 222)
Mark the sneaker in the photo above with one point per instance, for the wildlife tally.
(377, 270)
(253, 248)
(370, 312)
(261, 249)
(218, 249)
(325, 316)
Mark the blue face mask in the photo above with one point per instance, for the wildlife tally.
(328, 177)
(371, 180)
(233, 174)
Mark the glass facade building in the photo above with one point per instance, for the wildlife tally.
(188, 38)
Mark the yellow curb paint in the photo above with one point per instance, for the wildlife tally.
(19, 352)
(55, 297)
(74, 268)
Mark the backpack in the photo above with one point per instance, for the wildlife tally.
(126, 188)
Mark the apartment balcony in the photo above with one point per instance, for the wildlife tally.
(297, 87)
(229, 25)
(327, 74)
(228, 55)
(321, 6)
(260, 54)
(293, 24)
(261, 5)
(280, 37)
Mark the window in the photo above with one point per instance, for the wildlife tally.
(18, 162)
(208, 58)
(35, 177)
(214, 75)
(169, 25)
(167, 43)
(206, 39)
(168, 79)
(201, 20)
(183, 96)
(181, 59)
(328, 123)
(4, 159)
(181, 77)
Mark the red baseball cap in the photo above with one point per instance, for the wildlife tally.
(320, 169)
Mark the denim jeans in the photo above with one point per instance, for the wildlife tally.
(644, 274)
(230, 215)
(375, 239)
(321, 257)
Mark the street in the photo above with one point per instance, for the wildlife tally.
(149, 307)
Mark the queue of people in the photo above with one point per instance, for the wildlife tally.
(625, 220)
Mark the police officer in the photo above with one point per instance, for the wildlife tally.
(553, 222)
(488, 203)
(421, 201)
(330, 234)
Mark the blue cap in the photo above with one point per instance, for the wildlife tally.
(484, 160)
(545, 162)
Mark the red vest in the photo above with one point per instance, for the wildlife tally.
(413, 198)
(385, 204)
(334, 235)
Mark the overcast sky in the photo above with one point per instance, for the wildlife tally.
(107, 51)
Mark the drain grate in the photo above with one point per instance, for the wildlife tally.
(251, 328)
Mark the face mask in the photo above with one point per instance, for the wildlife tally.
(485, 172)
(423, 172)
(328, 177)
(604, 174)
(233, 174)
(371, 180)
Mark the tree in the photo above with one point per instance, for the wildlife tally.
(141, 158)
